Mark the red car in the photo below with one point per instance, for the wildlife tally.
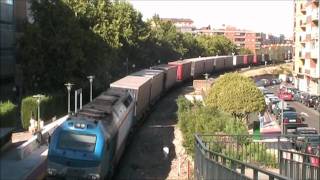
(285, 96)
(314, 160)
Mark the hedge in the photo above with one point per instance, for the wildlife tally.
(8, 114)
(50, 106)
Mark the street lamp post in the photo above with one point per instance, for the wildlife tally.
(206, 76)
(90, 80)
(69, 85)
(38, 97)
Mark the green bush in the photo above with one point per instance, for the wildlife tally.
(8, 114)
(50, 106)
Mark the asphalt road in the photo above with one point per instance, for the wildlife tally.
(312, 117)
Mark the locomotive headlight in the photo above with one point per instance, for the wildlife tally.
(82, 126)
(52, 171)
(93, 176)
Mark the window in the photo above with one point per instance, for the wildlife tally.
(73, 141)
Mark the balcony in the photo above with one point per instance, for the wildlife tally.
(315, 15)
(314, 54)
(303, 8)
(313, 73)
(315, 33)
(303, 25)
(302, 55)
(302, 39)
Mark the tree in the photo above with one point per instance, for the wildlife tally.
(216, 45)
(244, 51)
(237, 95)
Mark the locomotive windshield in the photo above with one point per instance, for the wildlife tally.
(80, 142)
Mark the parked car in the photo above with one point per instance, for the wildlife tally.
(309, 100)
(302, 134)
(275, 81)
(303, 96)
(317, 105)
(315, 102)
(314, 161)
(297, 96)
(286, 96)
(290, 120)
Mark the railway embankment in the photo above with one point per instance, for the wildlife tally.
(269, 70)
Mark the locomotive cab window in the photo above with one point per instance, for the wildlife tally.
(80, 142)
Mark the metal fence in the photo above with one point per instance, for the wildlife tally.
(212, 164)
(248, 157)
(296, 165)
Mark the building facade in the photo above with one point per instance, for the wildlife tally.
(244, 38)
(182, 24)
(306, 41)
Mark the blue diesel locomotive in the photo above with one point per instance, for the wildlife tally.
(89, 144)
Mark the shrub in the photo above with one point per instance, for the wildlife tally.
(50, 106)
(8, 114)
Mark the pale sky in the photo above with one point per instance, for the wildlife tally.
(273, 16)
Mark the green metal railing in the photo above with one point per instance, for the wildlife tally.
(211, 163)
(248, 157)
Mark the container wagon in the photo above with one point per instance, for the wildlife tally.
(208, 64)
(89, 144)
(157, 77)
(245, 60)
(228, 62)
(255, 60)
(197, 67)
(140, 88)
(238, 61)
(170, 75)
(183, 69)
(219, 63)
(250, 59)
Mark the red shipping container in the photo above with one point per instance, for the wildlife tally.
(255, 59)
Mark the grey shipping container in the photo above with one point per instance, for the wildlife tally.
(208, 64)
(228, 63)
(197, 66)
(237, 61)
(219, 63)
(170, 74)
(157, 77)
(140, 88)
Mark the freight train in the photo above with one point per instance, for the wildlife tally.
(89, 144)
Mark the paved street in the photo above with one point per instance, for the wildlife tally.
(312, 117)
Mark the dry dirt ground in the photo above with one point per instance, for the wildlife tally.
(144, 157)
(268, 70)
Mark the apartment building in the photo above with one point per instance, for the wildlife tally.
(306, 40)
(242, 38)
(182, 24)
